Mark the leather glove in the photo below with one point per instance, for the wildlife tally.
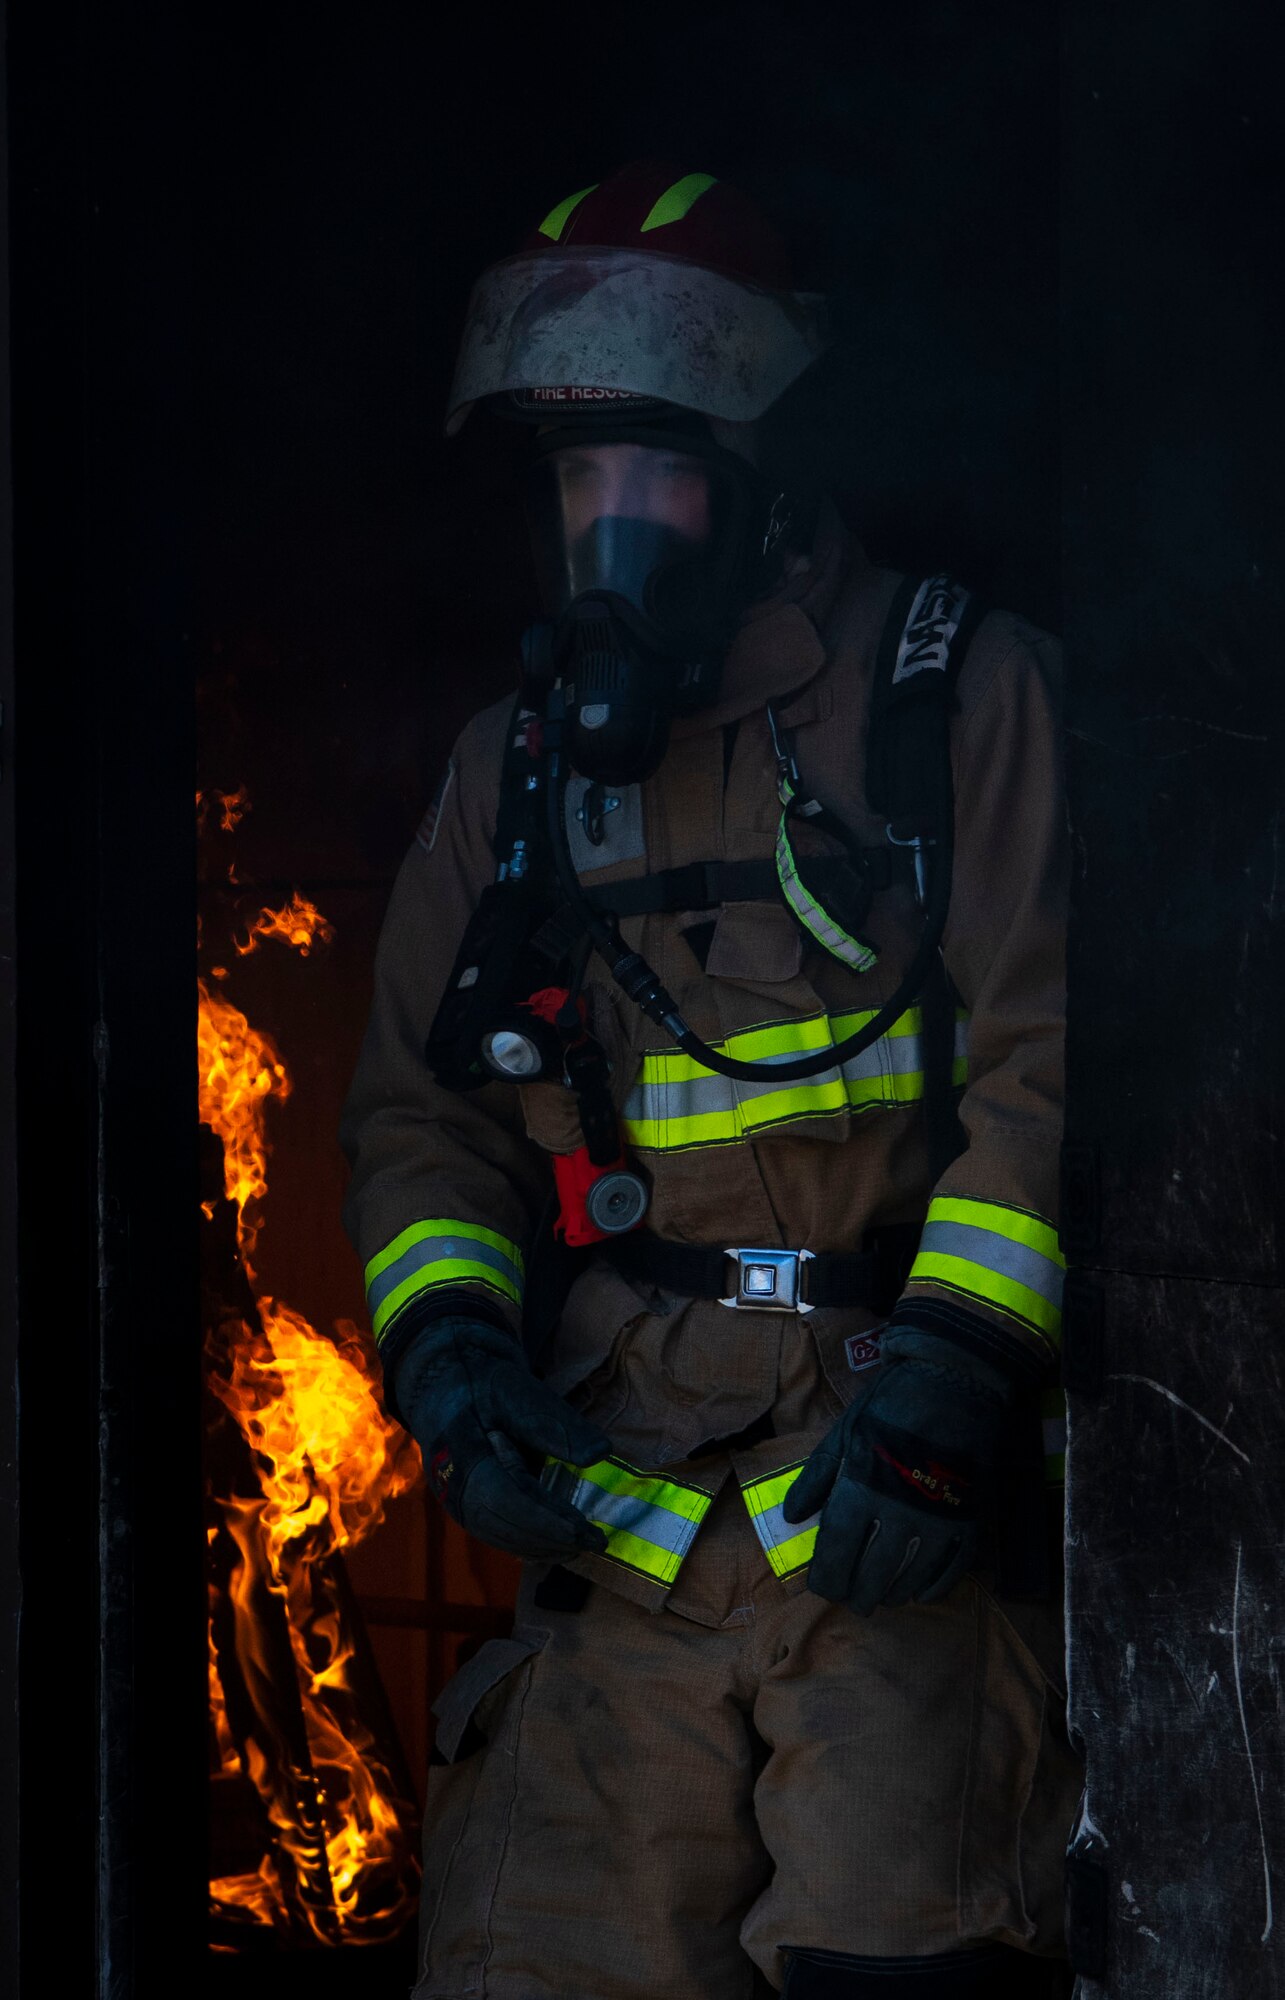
(465, 1393)
(903, 1477)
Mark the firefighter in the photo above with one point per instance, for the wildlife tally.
(704, 940)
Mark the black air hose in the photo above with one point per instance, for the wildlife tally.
(637, 979)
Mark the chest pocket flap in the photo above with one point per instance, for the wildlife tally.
(755, 942)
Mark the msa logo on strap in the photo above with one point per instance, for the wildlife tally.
(933, 622)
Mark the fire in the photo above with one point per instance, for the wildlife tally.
(300, 923)
(253, 1898)
(233, 807)
(332, 1462)
(238, 1070)
(327, 1461)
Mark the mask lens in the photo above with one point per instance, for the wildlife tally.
(633, 482)
(614, 517)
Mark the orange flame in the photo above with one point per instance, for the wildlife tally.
(329, 1460)
(298, 923)
(239, 1069)
(254, 1898)
(233, 808)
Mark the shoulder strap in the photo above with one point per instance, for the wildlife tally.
(929, 627)
(513, 810)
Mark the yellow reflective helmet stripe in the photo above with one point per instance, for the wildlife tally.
(1007, 1257)
(436, 1252)
(788, 1545)
(557, 219)
(650, 1522)
(674, 204)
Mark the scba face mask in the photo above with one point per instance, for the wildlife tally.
(645, 558)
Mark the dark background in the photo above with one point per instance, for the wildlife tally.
(241, 245)
(358, 572)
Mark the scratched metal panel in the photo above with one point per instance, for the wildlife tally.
(1175, 1523)
(1175, 598)
(1175, 1052)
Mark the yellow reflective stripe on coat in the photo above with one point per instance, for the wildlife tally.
(788, 1545)
(650, 1522)
(1006, 1257)
(676, 1103)
(439, 1251)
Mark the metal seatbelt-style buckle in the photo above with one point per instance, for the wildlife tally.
(768, 1280)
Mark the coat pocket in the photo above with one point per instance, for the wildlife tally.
(1021, 1793)
(458, 1731)
(758, 943)
(600, 1313)
(471, 1786)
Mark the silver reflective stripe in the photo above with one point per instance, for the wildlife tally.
(651, 1523)
(773, 1529)
(895, 1055)
(440, 1249)
(995, 1253)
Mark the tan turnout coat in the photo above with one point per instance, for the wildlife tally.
(815, 1167)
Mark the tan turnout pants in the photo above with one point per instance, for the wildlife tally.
(650, 1805)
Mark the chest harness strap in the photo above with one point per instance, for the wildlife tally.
(922, 648)
(519, 931)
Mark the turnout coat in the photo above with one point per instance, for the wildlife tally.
(447, 1189)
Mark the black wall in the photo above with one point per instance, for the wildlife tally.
(107, 1799)
(1172, 532)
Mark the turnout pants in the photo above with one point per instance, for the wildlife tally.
(650, 1805)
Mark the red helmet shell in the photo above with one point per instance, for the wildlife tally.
(654, 205)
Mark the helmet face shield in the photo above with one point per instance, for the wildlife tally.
(636, 321)
(659, 531)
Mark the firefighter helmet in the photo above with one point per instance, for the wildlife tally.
(649, 291)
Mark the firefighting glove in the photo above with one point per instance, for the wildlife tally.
(466, 1395)
(902, 1479)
